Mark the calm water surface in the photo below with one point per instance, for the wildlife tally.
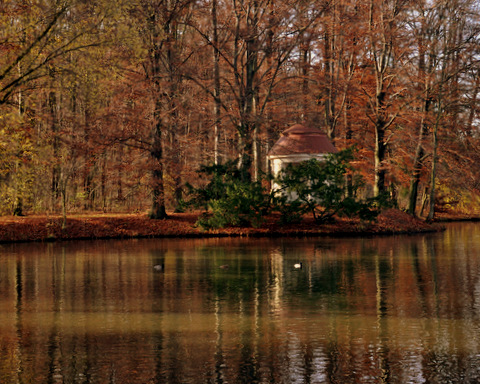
(375, 310)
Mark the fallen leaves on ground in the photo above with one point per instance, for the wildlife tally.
(96, 226)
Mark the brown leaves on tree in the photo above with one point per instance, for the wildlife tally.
(123, 101)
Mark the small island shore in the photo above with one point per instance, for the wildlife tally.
(115, 226)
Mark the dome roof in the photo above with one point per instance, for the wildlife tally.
(300, 139)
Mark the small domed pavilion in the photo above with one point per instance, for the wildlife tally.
(298, 143)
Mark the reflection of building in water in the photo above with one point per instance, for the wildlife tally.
(275, 290)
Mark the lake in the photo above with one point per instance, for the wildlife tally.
(400, 309)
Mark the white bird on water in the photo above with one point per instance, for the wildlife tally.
(298, 265)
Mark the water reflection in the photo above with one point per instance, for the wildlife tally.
(382, 310)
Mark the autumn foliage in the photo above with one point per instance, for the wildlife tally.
(113, 106)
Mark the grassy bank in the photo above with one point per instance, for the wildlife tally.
(104, 226)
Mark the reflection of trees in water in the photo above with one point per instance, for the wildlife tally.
(400, 309)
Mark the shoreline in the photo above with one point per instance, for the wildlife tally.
(96, 226)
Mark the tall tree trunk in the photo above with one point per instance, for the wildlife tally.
(216, 91)
(339, 65)
(417, 169)
(269, 129)
(418, 160)
(382, 49)
(176, 169)
(175, 165)
(447, 87)
(245, 151)
(348, 139)
(119, 156)
(433, 176)
(305, 71)
(63, 183)
(158, 210)
(379, 157)
(424, 72)
(158, 204)
(89, 157)
(380, 140)
(245, 79)
(329, 75)
(473, 103)
(52, 106)
(251, 90)
(104, 181)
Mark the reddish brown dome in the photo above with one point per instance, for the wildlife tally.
(300, 139)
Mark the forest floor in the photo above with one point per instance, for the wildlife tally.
(104, 226)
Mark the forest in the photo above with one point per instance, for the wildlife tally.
(114, 105)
